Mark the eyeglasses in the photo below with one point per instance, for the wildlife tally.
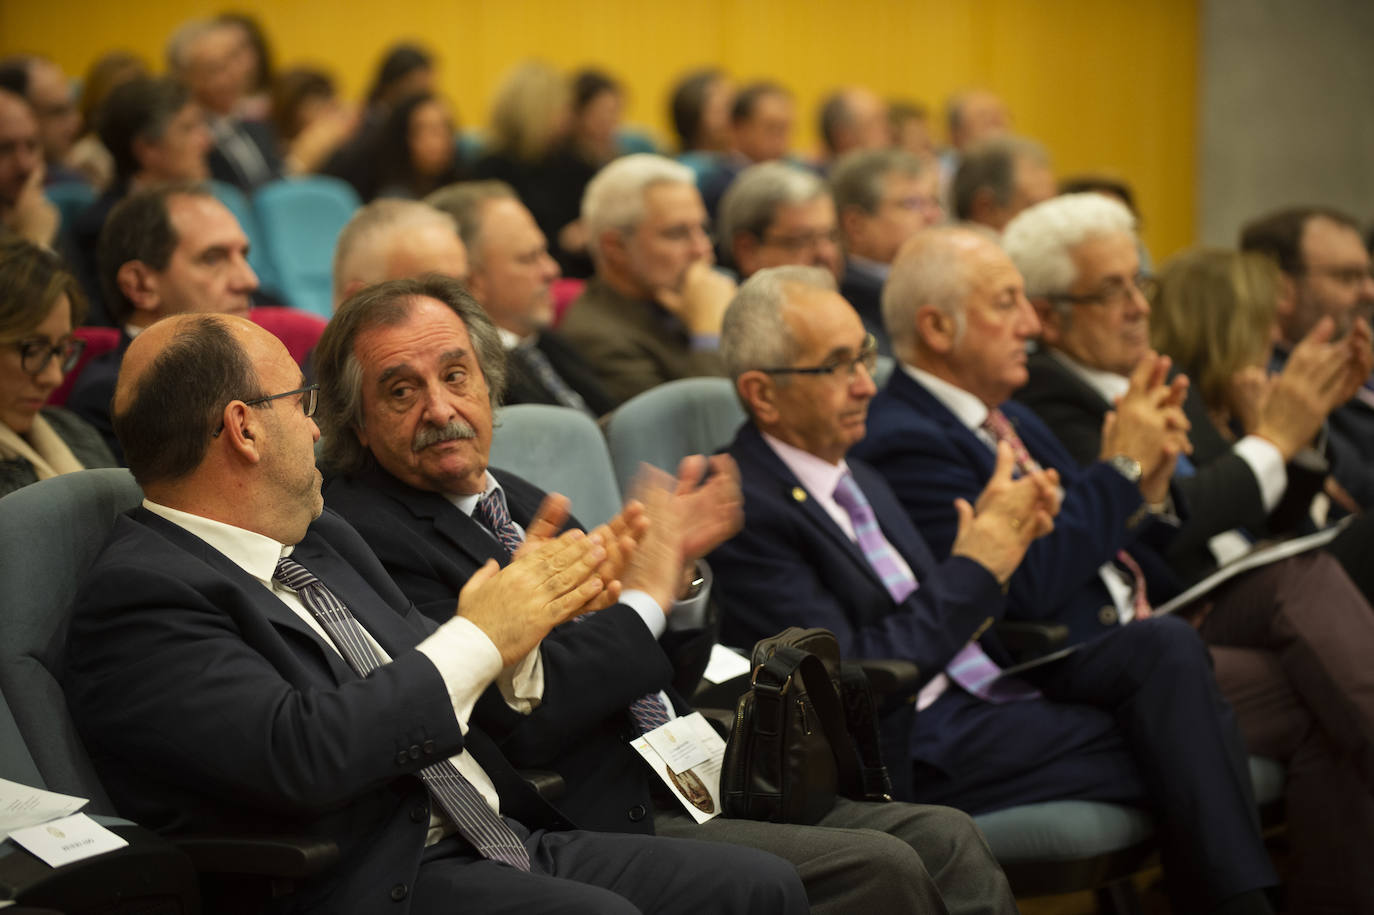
(803, 241)
(308, 403)
(35, 353)
(1346, 276)
(868, 358)
(1113, 294)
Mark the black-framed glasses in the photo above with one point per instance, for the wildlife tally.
(803, 241)
(34, 354)
(1345, 276)
(867, 357)
(1115, 293)
(309, 402)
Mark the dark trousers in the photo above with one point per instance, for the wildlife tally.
(1133, 717)
(1293, 645)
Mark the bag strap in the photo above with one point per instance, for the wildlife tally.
(862, 714)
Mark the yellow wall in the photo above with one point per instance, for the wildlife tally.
(1106, 84)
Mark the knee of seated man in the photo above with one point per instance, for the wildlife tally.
(1168, 643)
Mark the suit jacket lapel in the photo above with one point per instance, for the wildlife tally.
(264, 601)
(463, 532)
(906, 388)
(751, 441)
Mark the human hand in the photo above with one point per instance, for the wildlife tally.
(1009, 514)
(1148, 425)
(518, 605)
(618, 537)
(1246, 391)
(656, 564)
(33, 215)
(700, 299)
(1319, 376)
(712, 510)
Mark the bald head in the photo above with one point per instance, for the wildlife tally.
(393, 240)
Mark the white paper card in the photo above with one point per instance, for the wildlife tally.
(696, 786)
(22, 806)
(69, 839)
(725, 664)
(684, 742)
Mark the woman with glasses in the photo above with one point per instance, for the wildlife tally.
(39, 304)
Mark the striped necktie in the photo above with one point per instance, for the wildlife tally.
(971, 668)
(462, 802)
(548, 376)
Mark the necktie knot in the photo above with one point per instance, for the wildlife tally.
(1001, 429)
(294, 575)
(492, 513)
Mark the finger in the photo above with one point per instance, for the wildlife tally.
(1142, 373)
(965, 513)
(549, 519)
(1002, 470)
(477, 579)
(1161, 370)
(583, 565)
(690, 473)
(567, 550)
(1179, 390)
(579, 600)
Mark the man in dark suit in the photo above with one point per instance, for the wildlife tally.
(652, 312)
(207, 55)
(1300, 622)
(827, 543)
(167, 250)
(424, 516)
(240, 661)
(883, 197)
(511, 274)
(1328, 273)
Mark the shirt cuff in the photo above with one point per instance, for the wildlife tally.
(691, 612)
(647, 608)
(467, 661)
(1266, 463)
(522, 684)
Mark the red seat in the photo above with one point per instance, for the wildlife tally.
(565, 290)
(299, 330)
(98, 340)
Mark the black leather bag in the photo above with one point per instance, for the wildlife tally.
(805, 733)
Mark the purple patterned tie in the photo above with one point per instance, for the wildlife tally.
(463, 803)
(648, 711)
(971, 668)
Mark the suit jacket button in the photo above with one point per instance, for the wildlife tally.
(429, 747)
(1108, 616)
(637, 813)
(418, 814)
(399, 892)
(402, 758)
(415, 751)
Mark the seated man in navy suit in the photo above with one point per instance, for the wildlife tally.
(407, 453)
(1133, 718)
(240, 661)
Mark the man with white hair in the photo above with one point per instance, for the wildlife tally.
(393, 239)
(884, 197)
(1290, 639)
(652, 313)
(511, 274)
(1132, 718)
(775, 214)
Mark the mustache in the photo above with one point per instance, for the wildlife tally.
(449, 432)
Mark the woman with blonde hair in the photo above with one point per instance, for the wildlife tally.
(39, 305)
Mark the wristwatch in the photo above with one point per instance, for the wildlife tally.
(1128, 467)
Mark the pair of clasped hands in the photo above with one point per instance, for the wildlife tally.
(651, 546)
(1147, 425)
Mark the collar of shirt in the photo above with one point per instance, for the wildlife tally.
(255, 553)
(1109, 385)
(818, 477)
(971, 411)
(511, 340)
(467, 503)
(871, 268)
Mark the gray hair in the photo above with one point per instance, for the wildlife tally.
(752, 201)
(614, 200)
(464, 201)
(857, 178)
(184, 38)
(991, 165)
(753, 334)
(929, 271)
(1038, 240)
(341, 374)
(366, 240)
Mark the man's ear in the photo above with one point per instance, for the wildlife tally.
(139, 283)
(935, 329)
(614, 247)
(240, 431)
(1053, 323)
(759, 392)
(853, 221)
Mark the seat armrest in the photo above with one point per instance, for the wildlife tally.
(266, 856)
(1028, 641)
(550, 785)
(889, 677)
(149, 870)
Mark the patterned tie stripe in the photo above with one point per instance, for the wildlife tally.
(971, 668)
(648, 711)
(548, 376)
(462, 802)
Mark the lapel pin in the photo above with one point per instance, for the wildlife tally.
(798, 494)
